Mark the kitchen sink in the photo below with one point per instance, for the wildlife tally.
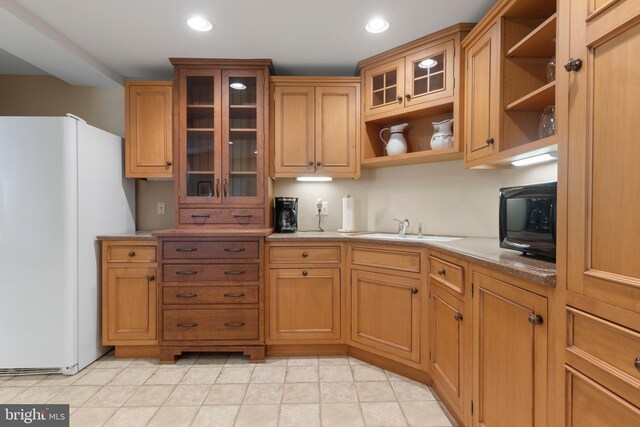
(409, 237)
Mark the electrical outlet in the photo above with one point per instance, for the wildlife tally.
(161, 208)
(325, 209)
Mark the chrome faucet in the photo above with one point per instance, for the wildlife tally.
(420, 230)
(402, 226)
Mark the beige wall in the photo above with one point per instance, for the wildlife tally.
(445, 197)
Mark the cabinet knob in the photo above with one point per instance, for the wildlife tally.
(408, 96)
(442, 272)
(458, 316)
(168, 163)
(152, 278)
(573, 65)
(304, 254)
(535, 319)
(400, 99)
(414, 290)
(131, 254)
(636, 363)
(490, 141)
(304, 273)
(318, 163)
(310, 162)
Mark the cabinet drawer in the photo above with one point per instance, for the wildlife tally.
(123, 253)
(221, 216)
(210, 324)
(446, 273)
(386, 258)
(605, 351)
(210, 295)
(210, 273)
(303, 254)
(214, 249)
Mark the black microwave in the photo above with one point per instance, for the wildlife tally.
(528, 219)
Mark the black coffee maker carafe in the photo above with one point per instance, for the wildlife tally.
(286, 214)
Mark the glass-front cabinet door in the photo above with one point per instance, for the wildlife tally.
(243, 136)
(384, 86)
(200, 136)
(429, 74)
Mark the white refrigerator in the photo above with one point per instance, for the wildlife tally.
(61, 184)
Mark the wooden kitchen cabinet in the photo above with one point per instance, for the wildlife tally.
(221, 124)
(315, 126)
(508, 84)
(148, 129)
(129, 297)
(386, 314)
(305, 304)
(418, 83)
(509, 354)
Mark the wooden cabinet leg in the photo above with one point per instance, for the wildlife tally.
(256, 354)
(168, 355)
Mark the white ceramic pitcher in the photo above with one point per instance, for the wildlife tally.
(396, 144)
(442, 135)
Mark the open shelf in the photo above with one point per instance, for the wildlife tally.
(243, 172)
(538, 43)
(536, 100)
(426, 156)
(242, 130)
(200, 130)
(200, 172)
(200, 106)
(531, 9)
(243, 106)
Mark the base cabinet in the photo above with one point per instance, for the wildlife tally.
(509, 355)
(385, 314)
(129, 294)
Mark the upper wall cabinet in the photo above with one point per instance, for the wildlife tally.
(418, 83)
(148, 140)
(315, 126)
(221, 114)
(512, 110)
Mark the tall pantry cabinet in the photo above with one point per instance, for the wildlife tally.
(602, 375)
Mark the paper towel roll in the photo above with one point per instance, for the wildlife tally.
(347, 214)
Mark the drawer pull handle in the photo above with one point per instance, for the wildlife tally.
(200, 216)
(234, 295)
(414, 291)
(186, 295)
(187, 325)
(442, 272)
(636, 363)
(186, 249)
(304, 273)
(224, 187)
(458, 316)
(243, 216)
(304, 254)
(152, 278)
(217, 187)
(234, 325)
(535, 319)
(131, 254)
(234, 273)
(234, 249)
(186, 273)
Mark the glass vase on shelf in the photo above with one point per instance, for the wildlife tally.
(547, 122)
(551, 66)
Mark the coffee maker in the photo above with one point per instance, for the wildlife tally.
(286, 214)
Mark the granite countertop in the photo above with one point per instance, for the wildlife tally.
(479, 250)
(134, 235)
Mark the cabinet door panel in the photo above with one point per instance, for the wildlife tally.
(430, 74)
(148, 130)
(604, 155)
(384, 88)
(509, 355)
(385, 313)
(131, 304)
(447, 343)
(336, 129)
(294, 129)
(482, 103)
(304, 304)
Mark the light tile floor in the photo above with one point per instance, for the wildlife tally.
(227, 390)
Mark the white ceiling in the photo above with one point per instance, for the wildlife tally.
(134, 38)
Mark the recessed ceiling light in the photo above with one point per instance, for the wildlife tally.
(238, 86)
(377, 25)
(535, 159)
(428, 63)
(199, 23)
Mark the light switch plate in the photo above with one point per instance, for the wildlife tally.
(161, 208)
